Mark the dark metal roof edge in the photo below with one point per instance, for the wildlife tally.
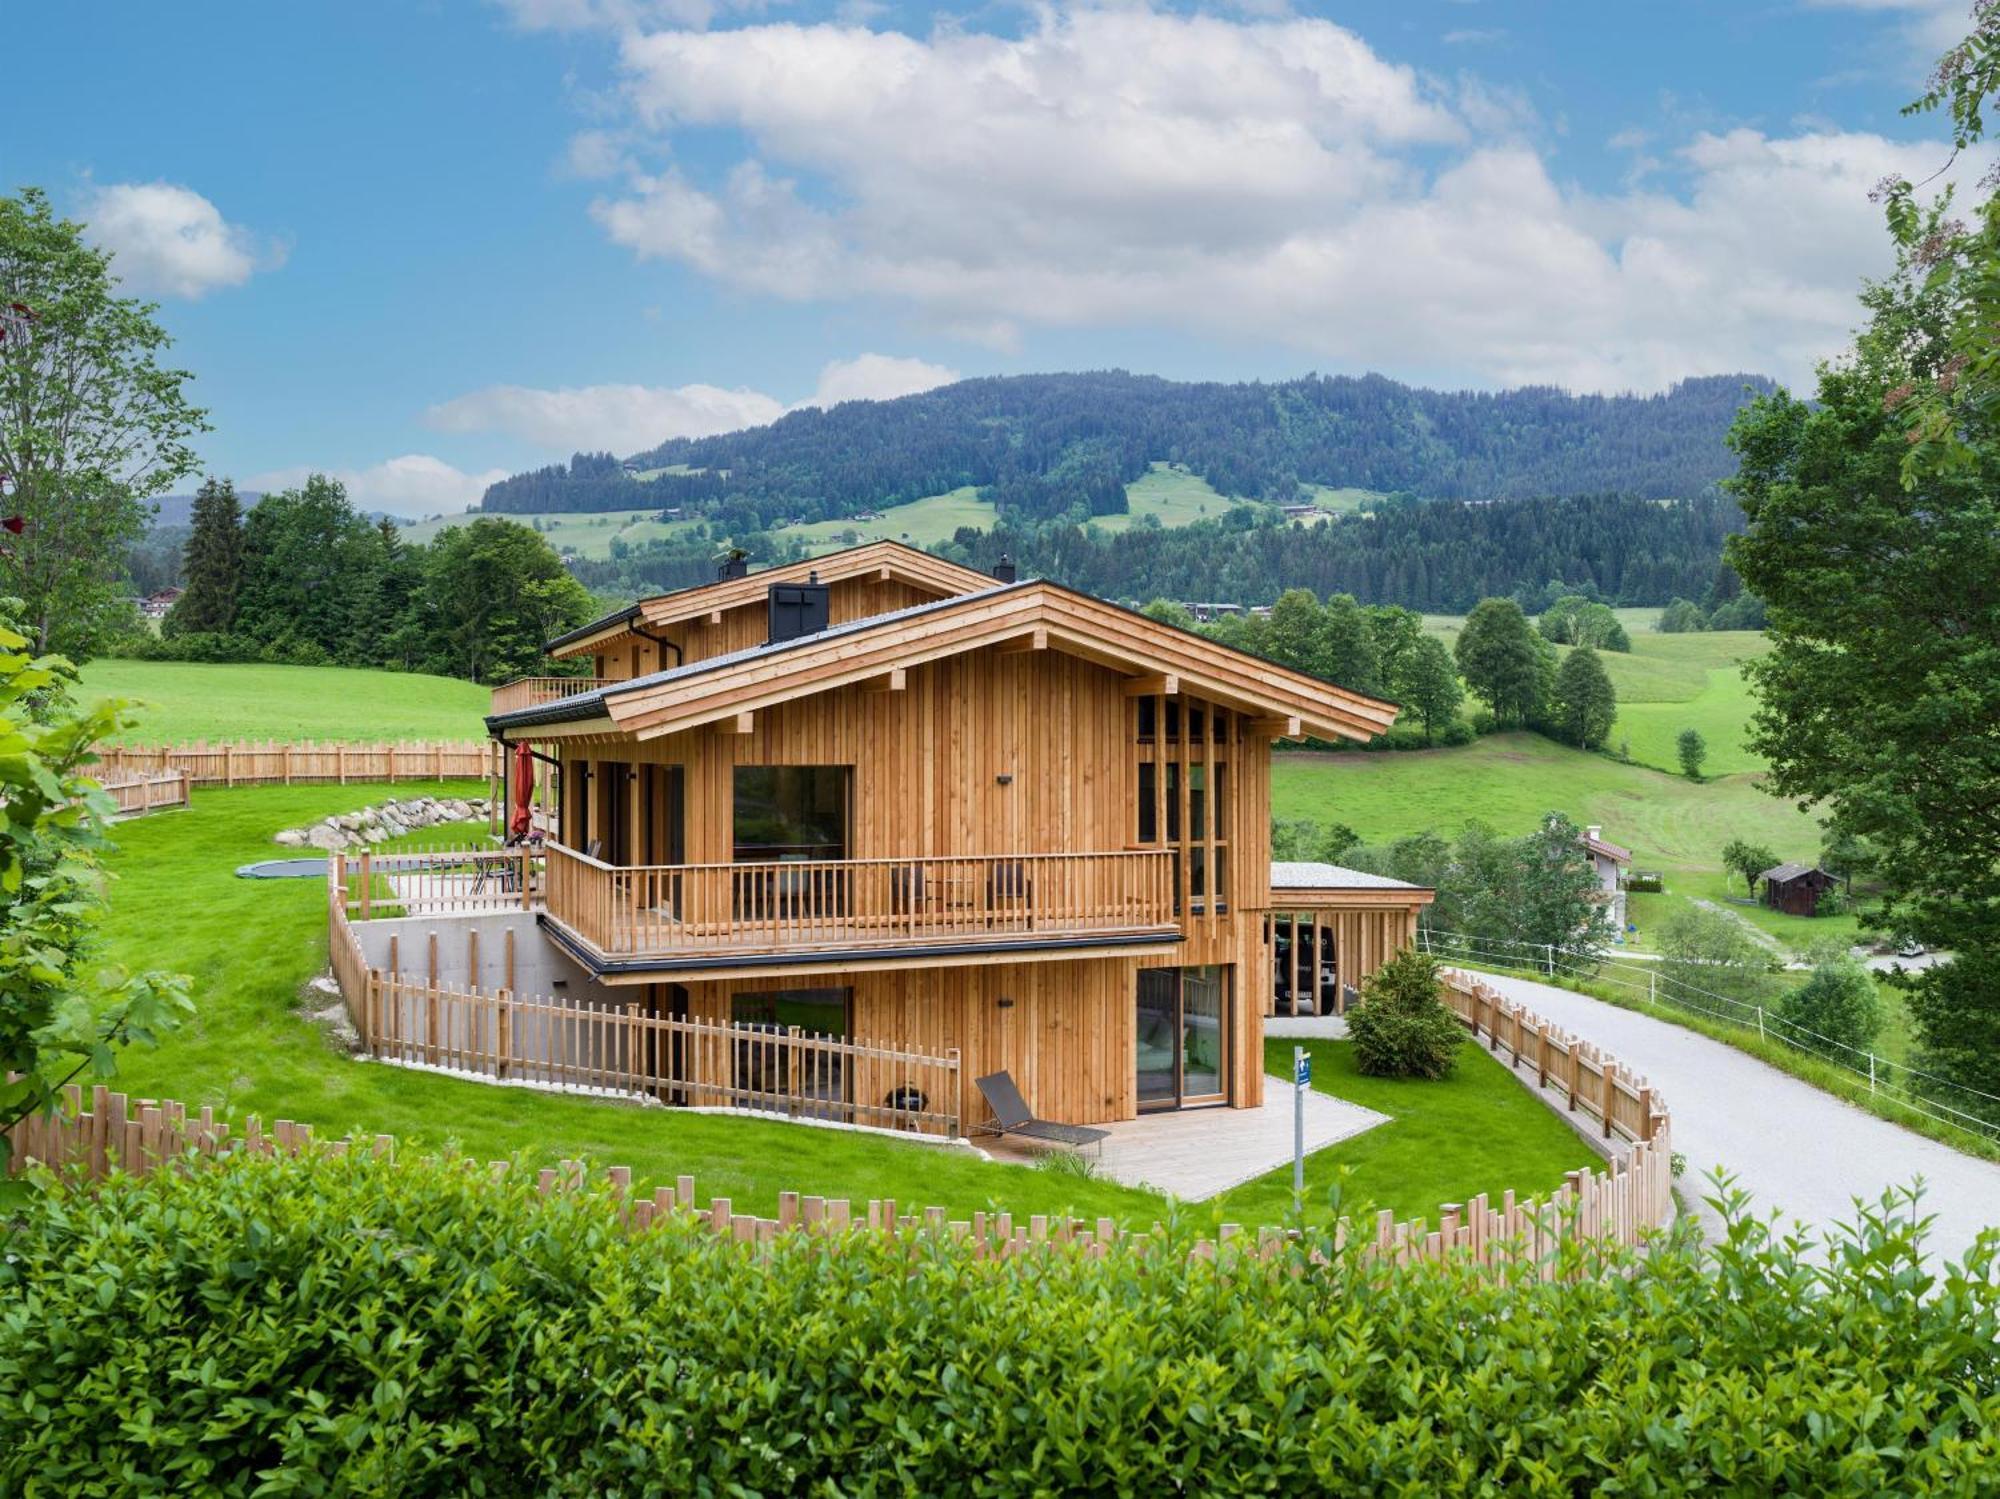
(583, 632)
(572, 945)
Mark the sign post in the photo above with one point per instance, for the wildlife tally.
(1302, 1076)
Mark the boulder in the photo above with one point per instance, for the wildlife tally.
(293, 838)
(326, 837)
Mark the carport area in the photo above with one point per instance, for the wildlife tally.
(1328, 928)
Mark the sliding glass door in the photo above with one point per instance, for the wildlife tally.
(1183, 1037)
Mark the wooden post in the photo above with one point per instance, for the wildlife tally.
(288, 762)
(504, 1012)
(1610, 1093)
(367, 882)
(340, 762)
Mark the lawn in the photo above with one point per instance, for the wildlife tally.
(251, 945)
(184, 700)
(1475, 1131)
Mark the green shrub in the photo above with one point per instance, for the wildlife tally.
(1402, 1028)
(351, 1326)
(1838, 1005)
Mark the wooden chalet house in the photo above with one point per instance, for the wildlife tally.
(880, 795)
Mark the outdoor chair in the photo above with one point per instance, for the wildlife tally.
(1012, 1116)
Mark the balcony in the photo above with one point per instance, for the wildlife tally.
(704, 915)
(532, 692)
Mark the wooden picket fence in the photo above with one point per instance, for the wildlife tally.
(1621, 1204)
(1619, 1099)
(272, 763)
(140, 792)
(1617, 1206)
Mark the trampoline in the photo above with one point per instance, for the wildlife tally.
(283, 869)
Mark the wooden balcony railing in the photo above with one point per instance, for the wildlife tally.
(692, 910)
(530, 692)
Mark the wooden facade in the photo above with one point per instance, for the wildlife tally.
(1052, 832)
(1329, 928)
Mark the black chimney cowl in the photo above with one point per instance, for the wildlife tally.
(797, 609)
(1003, 570)
(735, 565)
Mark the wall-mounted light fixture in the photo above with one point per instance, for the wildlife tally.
(1003, 1003)
(1005, 778)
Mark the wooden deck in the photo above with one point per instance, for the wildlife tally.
(1198, 1153)
(747, 909)
(532, 692)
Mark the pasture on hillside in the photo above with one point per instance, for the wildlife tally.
(1510, 780)
(177, 701)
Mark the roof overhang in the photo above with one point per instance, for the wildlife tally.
(875, 561)
(1350, 897)
(1026, 616)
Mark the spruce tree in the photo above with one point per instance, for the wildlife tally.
(211, 566)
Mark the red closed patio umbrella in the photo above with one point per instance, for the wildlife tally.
(524, 792)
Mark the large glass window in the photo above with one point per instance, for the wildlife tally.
(1198, 802)
(791, 811)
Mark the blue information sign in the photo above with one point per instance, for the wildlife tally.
(1304, 1069)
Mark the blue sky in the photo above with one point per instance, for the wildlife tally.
(417, 244)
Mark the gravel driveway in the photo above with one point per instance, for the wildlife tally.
(1791, 1146)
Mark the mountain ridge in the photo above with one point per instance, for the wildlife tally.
(1048, 445)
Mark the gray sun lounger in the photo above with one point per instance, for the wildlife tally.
(1011, 1116)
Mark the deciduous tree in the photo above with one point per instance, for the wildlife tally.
(61, 1015)
(1692, 750)
(1426, 684)
(1747, 860)
(1585, 703)
(92, 424)
(1497, 656)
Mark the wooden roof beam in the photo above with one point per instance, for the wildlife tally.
(893, 680)
(1163, 685)
(1277, 728)
(1021, 645)
(738, 723)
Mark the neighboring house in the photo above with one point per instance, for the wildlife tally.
(157, 605)
(885, 797)
(1610, 862)
(1330, 928)
(1796, 888)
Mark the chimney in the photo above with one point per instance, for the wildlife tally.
(735, 565)
(1595, 832)
(799, 608)
(1003, 570)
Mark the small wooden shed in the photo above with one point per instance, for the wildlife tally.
(1796, 888)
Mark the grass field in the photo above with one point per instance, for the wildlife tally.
(250, 946)
(1170, 495)
(1510, 780)
(183, 700)
(923, 523)
(586, 534)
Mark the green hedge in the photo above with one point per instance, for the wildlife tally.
(349, 1326)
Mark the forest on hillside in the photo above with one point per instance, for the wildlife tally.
(1047, 446)
(1436, 557)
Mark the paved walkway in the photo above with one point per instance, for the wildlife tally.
(1790, 1145)
(1200, 1152)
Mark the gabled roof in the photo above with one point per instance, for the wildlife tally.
(887, 560)
(1610, 851)
(1782, 874)
(1029, 614)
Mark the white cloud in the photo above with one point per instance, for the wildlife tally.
(1270, 180)
(171, 240)
(627, 419)
(414, 484)
(620, 418)
(876, 377)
